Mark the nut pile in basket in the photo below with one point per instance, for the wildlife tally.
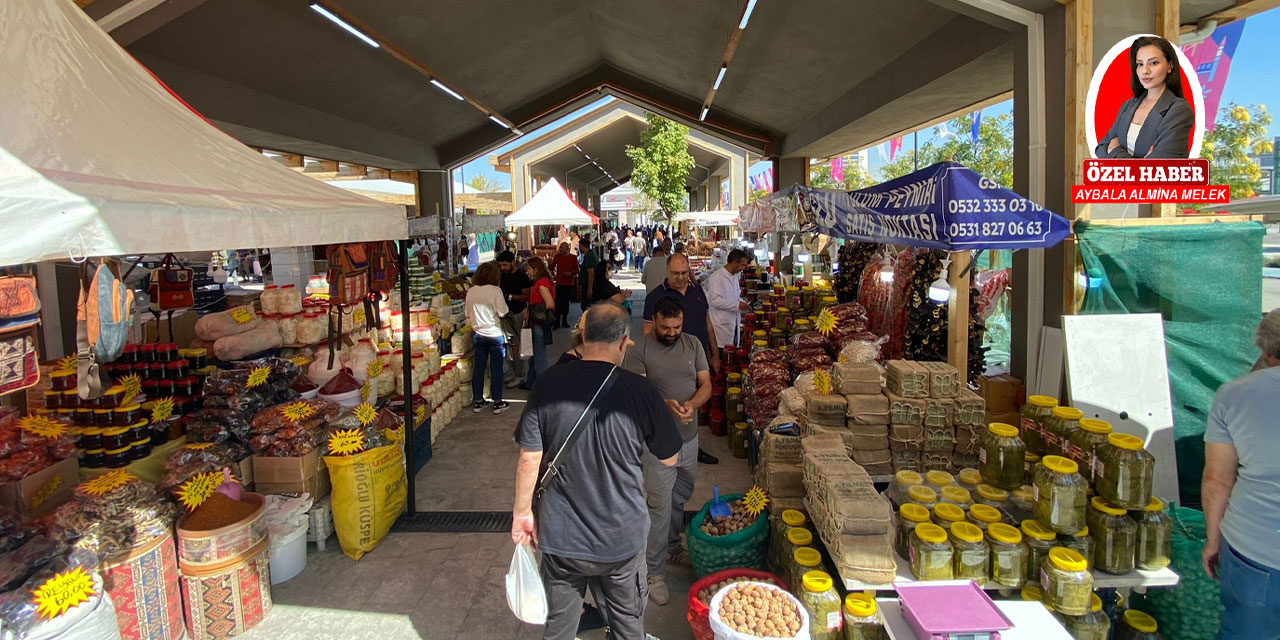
(705, 595)
(739, 519)
(759, 611)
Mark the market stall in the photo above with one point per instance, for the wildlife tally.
(550, 206)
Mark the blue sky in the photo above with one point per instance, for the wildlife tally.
(1254, 79)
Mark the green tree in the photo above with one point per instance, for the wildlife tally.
(662, 164)
(483, 184)
(993, 158)
(855, 177)
(1238, 134)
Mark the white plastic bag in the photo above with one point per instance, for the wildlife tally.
(525, 594)
(526, 343)
(722, 631)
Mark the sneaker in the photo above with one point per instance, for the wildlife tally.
(479, 406)
(499, 407)
(658, 591)
(515, 382)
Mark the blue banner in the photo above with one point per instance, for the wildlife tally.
(944, 206)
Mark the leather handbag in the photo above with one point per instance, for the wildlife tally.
(172, 286)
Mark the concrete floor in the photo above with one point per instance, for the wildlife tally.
(440, 586)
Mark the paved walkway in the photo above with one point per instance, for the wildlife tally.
(443, 586)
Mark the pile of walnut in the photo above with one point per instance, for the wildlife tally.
(738, 520)
(760, 611)
(706, 594)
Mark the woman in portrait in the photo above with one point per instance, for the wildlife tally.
(1156, 122)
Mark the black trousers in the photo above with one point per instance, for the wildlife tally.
(564, 293)
(621, 590)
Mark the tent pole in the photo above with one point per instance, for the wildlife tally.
(407, 344)
(958, 277)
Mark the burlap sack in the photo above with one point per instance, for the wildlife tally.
(868, 409)
(828, 411)
(907, 379)
(939, 439)
(905, 438)
(906, 460)
(791, 401)
(938, 412)
(849, 378)
(828, 442)
(963, 461)
(936, 461)
(879, 470)
(823, 466)
(845, 436)
(944, 380)
(909, 411)
(868, 558)
(855, 507)
(778, 505)
(868, 443)
(872, 457)
(784, 481)
(777, 448)
(971, 409)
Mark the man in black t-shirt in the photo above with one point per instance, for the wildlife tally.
(592, 522)
(515, 285)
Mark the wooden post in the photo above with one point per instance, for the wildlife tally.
(1079, 69)
(958, 313)
(1167, 27)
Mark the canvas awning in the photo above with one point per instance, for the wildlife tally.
(709, 218)
(98, 158)
(551, 205)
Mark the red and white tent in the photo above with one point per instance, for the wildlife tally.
(551, 205)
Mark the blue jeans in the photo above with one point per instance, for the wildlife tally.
(1250, 596)
(489, 353)
(541, 337)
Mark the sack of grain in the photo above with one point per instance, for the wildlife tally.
(850, 378)
(778, 505)
(944, 380)
(784, 481)
(845, 436)
(856, 507)
(872, 457)
(868, 558)
(905, 437)
(822, 443)
(778, 448)
(970, 408)
(905, 410)
(791, 401)
(821, 466)
(907, 379)
(939, 439)
(826, 410)
(938, 412)
(879, 470)
(868, 409)
(908, 460)
(868, 443)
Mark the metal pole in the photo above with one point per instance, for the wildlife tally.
(407, 345)
(915, 149)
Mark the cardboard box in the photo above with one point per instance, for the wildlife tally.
(244, 469)
(42, 492)
(1003, 393)
(182, 329)
(292, 475)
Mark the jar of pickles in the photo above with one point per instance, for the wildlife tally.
(1001, 456)
(734, 407)
(802, 325)
(1029, 462)
(991, 496)
(1079, 541)
(969, 479)
(777, 337)
(861, 621)
(1115, 537)
(1061, 495)
(1137, 625)
(779, 526)
(970, 555)
(1094, 625)
(820, 599)
(1039, 541)
(1031, 592)
(1155, 536)
(1034, 413)
(1124, 471)
(803, 560)
(1084, 443)
(827, 302)
(1066, 581)
(1010, 557)
(936, 480)
(902, 482)
(923, 496)
(945, 515)
(909, 515)
(930, 552)
(795, 299)
(984, 516)
(738, 440)
(957, 496)
(782, 318)
(1058, 428)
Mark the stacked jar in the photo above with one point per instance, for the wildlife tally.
(1001, 456)
(1034, 413)
(1058, 427)
(1115, 537)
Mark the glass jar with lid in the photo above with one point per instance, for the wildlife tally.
(1058, 428)
(1124, 471)
(1080, 541)
(1115, 537)
(1039, 541)
(795, 299)
(969, 478)
(957, 495)
(777, 337)
(909, 515)
(778, 528)
(936, 480)
(991, 496)
(1033, 414)
(902, 482)
(828, 302)
(1061, 495)
(945, 514)
(1085, 441)
(923, 496)
(930, 552)
(808, 297)
(738, 440)
(1137, 625)
(803, 560)
(1094, 625)
(1066, 581)
(984, 515)
(802, 325)
(1001, 456)
(782, 318)
(1029, 462)
(861, 621)
(734, 407)
(1155, 533)
(1031, 592)
(970, 554)
(1010, 557)
(819, 597)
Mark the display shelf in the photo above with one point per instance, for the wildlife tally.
(1137, 578)
(1030, 621)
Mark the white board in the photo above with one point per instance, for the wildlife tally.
(1117, 371)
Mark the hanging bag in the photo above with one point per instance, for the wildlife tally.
(19, 316)
(172, 286)
(384, 272)
(103, 315)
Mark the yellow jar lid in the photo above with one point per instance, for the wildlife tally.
(793, 518)
(737, 390)
(115, 431)
(1038, 531)
(1140, 621)
(970, 477)
(776, 330)
(807, 557)
(1032, 593)
(920, 493)
(985, 513)
(1059, 464)
(995, 494)
(1106, 507)
(143, 442)
(816, 581)
(115, 390)
(860, 605)
(61, 374)
(93, 431)
(1156, 504)
(784, 310)
(1006, 533)
(1095, 603)
(761, 343)
(735, 376)
(101, 411)
(1081, 533)
(116, 452)
(967, 532)
(1002, 430)
(829, 299)
(956, 494)
(1025, 492)
(130, 407)
(799, 536)
(907, 477)
(95, 452)
(1067, 559)
(1094, 425)
(808, 288)
(913, 512)
(1068, 413)
(939, 478)
(949, 512)
(793, 289)
(740, 426)
(1032, 458)
(1045, 402)
(138, 424)
(1125, 441)
(802, 321)
(758, 332)
(930, 532)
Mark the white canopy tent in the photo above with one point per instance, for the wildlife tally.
(551, 205)
(728, 217)
(98, 158)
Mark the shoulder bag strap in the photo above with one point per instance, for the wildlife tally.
(588, 416)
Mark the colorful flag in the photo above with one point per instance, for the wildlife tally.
(884, 159)
(837, 170)
(768, 179)
(1211, 59)
(894, 145)
(754, 185)
(977, 121)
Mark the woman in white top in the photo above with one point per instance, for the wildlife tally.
(485, 308)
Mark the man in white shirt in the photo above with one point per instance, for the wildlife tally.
(655, 272)
(724, 297)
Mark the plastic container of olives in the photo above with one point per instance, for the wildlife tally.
(1115, 537)
(984, 516)
(909, 515)
(1034, 413)
(1094, 625)
(902, 482)
(861, 621)
(1066, 581)
(1061, 495)
(1084, 443)
(819, 597)
(923, 496)
(1039, 541)
(1155, 536)
(1010, 557)
(945, 515)
(1001, 455)
(1136, 625)
(1124, 471)
(970, 556)
(1058, 427)
(930, 553)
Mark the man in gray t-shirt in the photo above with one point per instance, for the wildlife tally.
(676, 363)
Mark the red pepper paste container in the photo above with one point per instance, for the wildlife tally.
(225, 576)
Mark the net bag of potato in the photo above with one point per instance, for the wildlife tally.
(755, 610)
(703, 590)
(740, 541)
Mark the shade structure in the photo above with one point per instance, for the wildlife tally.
(709, 218)
(98, 158)
(551, 205)
(1261, 205)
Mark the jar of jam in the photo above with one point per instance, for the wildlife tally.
(140, 448)
(92, 458)
(70, 399)
(62, 380)
(101, 417)
(90, 437)
(117, 458)
(129, 355)
(186, 387)
(66, 415)
(116, 438)
(127, 415)
(146, 353)
(159, 433)
(164, 387)
(196, 358)
(151, 388)
(157, 370)
(139, 430)
(177, 369)
(167, 352)
(112, 397)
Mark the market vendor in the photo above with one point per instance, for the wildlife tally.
(1241, 494)
(724, 296)
(679, 284)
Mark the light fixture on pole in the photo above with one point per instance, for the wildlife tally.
(441, 86)
(345, 26)
(704, 114)
(719, 78)
(886, 267)
(746, 15)
(940, 291)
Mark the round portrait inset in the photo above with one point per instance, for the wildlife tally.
(1145, 101)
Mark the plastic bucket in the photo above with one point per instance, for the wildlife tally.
(289, 554)
(346, 400)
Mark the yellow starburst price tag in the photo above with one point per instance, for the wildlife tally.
(299, 411)
(755, 500)
(62, 592)
(366, 414)
(419, 414)
(107, 482)
(242, 315)
(395, 435)
(198, 446)
(66, 365)
(365, 391)
(162, 410)
(47, 491)
(375, 369)
(301, 361)
(346, 442)
(258, 377)
(822, 382)
(132, 387)
(43, 427)
(826, 322)
(358, 317)
(195, 491)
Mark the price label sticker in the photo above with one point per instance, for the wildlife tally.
(419, 414)
(132, 387)
(755, 500)
(822, 382)
(346, 442)
(301, 361)
(199, 488)
(242, 315)
(258, 377)
(107, 482)
(67, 364)
(358, 317)
(298, 411)
(62, 592)
(365, 391)
(375, 369)
(826, 322)
(47, 491)
(162, 410)
(366, 414)
(43, 427)
(198, 446)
